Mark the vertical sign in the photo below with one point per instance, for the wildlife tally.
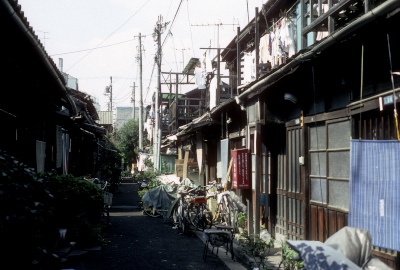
(241, 168)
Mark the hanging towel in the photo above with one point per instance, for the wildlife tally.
(213, 92)
(200, 80)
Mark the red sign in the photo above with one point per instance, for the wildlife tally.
(241, 169)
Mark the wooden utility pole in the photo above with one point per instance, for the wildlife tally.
(140, 96)
(157, 128)
(133, 100)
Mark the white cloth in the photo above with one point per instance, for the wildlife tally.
(213, 92)
(200, 79)
(208, 63)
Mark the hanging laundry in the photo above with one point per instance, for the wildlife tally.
(213, 92)
(249, 68)
(208, 62)
(200, 78)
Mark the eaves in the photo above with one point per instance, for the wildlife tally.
(306, 55)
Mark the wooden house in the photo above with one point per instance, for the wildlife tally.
(45, 124)
(317, 120)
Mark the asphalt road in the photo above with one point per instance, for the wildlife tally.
(137, 241)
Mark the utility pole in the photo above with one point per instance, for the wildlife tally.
(108, 91)
(111, 108)
(157, 128)
(133, 100)
(140, 96)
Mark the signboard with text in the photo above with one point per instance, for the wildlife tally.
(241, 168)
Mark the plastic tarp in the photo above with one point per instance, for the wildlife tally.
(160, 197)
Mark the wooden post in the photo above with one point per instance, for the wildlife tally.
(185, 164)
(228, 184)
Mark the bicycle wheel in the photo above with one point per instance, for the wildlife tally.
(226, 212)
(203, 219)
(184, 223)
(151, 211)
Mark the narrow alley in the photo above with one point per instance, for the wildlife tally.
(136, 241)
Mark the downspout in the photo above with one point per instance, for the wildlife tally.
(330, 40)
(43, 57)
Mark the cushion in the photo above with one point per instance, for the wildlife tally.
(317, 255)
(354, 243)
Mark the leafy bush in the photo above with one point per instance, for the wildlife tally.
(35, 206)
(25, 216)
(154, 182)
(78, 206)
(289, 258)
(257, 248)
(242, 220)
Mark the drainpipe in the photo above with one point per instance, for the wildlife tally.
(43, 56)
(330, 40)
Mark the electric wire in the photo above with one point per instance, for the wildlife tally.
(172, 23)
(190, 27)
(84, 50)
(151, 77)
(108, 36)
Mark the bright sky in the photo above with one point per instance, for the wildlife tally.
(72, 29)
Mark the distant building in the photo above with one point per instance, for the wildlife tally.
(124, 114)
(106, 120)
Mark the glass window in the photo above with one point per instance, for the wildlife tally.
(317, 137)
(318, 189)
(318, 163)
(339, 135)
(251, 111)
(339, 164)
(339, 194)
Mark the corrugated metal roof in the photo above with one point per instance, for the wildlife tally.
(105, 118)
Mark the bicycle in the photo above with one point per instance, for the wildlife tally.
(227, 210)
(190, 209)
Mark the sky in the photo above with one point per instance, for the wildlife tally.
(98, 39)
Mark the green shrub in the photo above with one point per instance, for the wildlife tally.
(26, 234)
(242, 220)
(78, 206)
(289, 258)
(256, 248)
(35, 206)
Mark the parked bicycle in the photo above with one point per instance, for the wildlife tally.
(190, 209)
(228, 208)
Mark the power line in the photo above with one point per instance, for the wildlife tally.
(176, 13)
(105, 46)
(109, 35)
(190, 27)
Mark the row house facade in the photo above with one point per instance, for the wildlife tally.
(315, 86)
(45, 124)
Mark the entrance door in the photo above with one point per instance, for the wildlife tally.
(290, 189)
(329, 164)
